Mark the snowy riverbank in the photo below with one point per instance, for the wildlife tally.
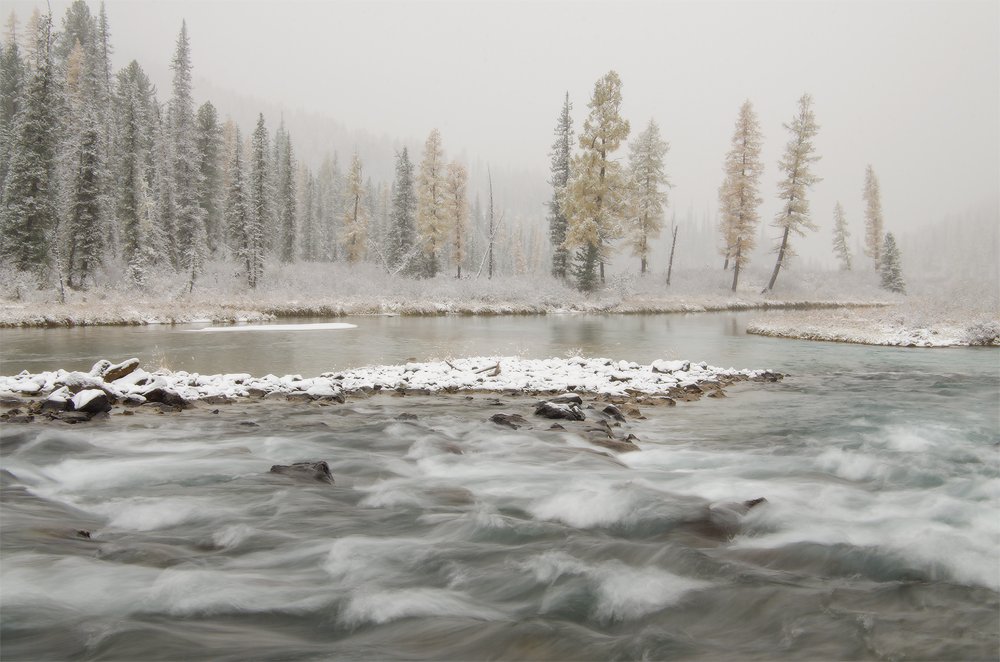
(127, 384)
(143, 313)
(902, 326)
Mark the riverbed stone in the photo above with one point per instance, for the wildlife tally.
(512, 421)
(569, 412)
(313, 471)
(91, 401)
(165, 396)
(119, 370)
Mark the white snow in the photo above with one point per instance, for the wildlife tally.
(81, 399)
(589, 375)
(322, 326)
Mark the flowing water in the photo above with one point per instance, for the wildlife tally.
(449, 537)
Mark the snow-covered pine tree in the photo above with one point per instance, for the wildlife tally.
(355, 226)
(210, 165)
(28, 211)
(891, 266)
(133, 108)
(873, 217)
(796, 164)
(83, 157)
(739, 194)
(163, 186)
(648, 179)
(431, 216)
(327, 207)
(189, 221)
(401, 235)
(594, 203)
(284, 195)
(259, 198)
(12, 76)
(306, 210)
(560, 155)
(457, 211)
(840, 237)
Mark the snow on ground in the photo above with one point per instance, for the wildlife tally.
(588, 375)
(904, 326)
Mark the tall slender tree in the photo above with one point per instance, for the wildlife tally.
(594, 203)
(355, 226)
(259, 197)
(840, 237)
(28, 212)
(189, 221)
(873, 217)
(648, 179)
(458, 211)
(284, 183)
(797, 166)
(245, 233)
(560, 155)
(400, 237)
(739, 194)
(12, 76)
(210, 166)
(431, 216)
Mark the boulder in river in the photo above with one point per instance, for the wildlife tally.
(91, 401)
(512, 421)
(165, 396)
(313, 471)
(556, 410)
(118, 370)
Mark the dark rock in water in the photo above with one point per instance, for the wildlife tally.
(566, 399)
(56, 404)
(769, 377)
(96, 404)
(569, 412)
(407, 416)
(316, 471)
(165, 396)
(19, 418)
(614, 412)
(512, 421)
(617, 445)
(119, 370)
(717, 393)
(556, 426)
(754, 502)
(82, 533)
(72, 417)
(250, 424)
(602, 427)
(217, 400)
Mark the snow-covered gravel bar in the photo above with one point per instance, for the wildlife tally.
(128, 384)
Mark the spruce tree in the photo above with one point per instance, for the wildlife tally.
(356, 215)
(400, 237)
(739, 195)
(891, 266)
(647, 176)
(133, 107)
(595, 197)
(12, 76)
(28, 212)
(285, 196)
(259, 197)
(189, 216)
(431, 217)
(840, 237)
(210, 186)
(244, 232)
(560, 156)
(308, 237)
(796, 164)
(873, 218)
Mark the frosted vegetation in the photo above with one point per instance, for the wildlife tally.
(121, 207)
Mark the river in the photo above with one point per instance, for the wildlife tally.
(449, 537)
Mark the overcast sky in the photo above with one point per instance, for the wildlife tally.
(911, 87)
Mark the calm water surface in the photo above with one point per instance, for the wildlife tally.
(447, 537)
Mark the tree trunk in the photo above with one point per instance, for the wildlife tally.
(725, 266)
(602, 272)
(670, 265)
(642, 268)
(736, 265)
(778, 263)
(489, 269)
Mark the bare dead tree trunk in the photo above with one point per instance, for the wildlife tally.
(670, 265)
(489, 269)
(778, 263)
(736, 264)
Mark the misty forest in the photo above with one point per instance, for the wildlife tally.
(705, 381)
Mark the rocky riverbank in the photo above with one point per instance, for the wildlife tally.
(593, 397)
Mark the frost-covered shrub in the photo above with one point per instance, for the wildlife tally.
(984, 333)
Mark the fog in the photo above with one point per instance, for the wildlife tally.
(911, 88)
